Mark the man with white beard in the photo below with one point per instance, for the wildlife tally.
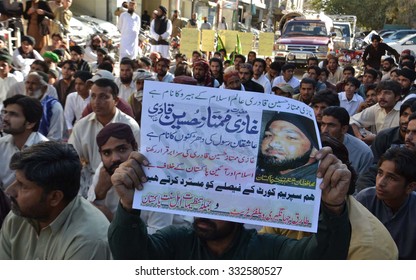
(52, 124)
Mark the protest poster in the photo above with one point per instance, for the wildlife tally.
(190, 41)
(229, 38)
(208, 40)
(211, 153)
(266, 43)
(247, 41)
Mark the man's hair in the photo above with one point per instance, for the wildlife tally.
(42, 64)
(288, 66)
(183, 69)
(412, 116)
(39, 75)
(247, 66)
(275, 66)
(108, 83)
(252, 52)
(317, 69)
(243, 58)
(52, 166)
(354, 81)
(408, 57)
(370, 87)
(71, 64)
(325, 96)
(326, 71)
(404, 160)
(339, 113)
(197, 52)
(409, 103)
(312, 58)
(372, 72)
(333, 58)
(105, 65)
(407, 64)
(83, 75)
(127, 61)
(31, 107)
(349, 68)
(216, 59)
(389, 85)
(307, 81)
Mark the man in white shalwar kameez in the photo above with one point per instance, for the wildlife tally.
(129, 26)
(160, 30)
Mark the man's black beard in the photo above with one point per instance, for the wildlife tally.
(110, 170)
(126, 80)
(272, 165)
(130, 11)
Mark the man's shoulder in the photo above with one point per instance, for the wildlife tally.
(388, 132)
(366, 195)
(355, 143)
(124, 118)
(6, 139)
(81, 124)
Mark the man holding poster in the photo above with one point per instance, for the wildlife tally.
(199, 150)
(216, 239)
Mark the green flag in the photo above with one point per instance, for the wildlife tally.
(238, 49)
(220, 43)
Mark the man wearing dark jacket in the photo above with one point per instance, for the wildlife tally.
(373, 53)
(217, 239)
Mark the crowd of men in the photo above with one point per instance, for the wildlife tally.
(70, 135)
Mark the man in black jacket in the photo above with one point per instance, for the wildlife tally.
(373, 53)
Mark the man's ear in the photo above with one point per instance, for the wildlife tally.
(397, 98)
(344, 129)
(29, 125)
(55, 198)
(411, 187)
(116, 99)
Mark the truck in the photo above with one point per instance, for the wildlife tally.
(347, 23)
(303, 36)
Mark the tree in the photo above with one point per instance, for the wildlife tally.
(370, 14)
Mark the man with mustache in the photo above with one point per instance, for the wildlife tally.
(125, 80)
(384, 114)
(218, 239)
(410, 138)
(49, 221)
(386, 139)
(104, 100)
(21, 118)
(115, 143)
(160, 31)
(287, 150)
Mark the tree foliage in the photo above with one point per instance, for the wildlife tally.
(370, 14)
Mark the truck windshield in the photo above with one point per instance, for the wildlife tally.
(304, 28)
(345, 29)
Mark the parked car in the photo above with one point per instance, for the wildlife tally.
(399, 34)
(408, 42)
(108, 32)
(79, 32)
